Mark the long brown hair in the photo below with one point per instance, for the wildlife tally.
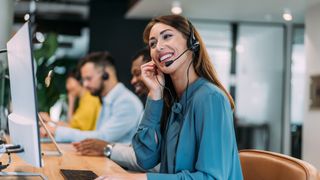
(201, 60)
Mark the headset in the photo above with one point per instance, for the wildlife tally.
(193, 44)
(105, 76)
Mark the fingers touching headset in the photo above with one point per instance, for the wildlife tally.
(153, 78)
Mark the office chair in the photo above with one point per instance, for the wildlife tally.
(265, 165)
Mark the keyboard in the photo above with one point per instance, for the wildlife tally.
(69, 174)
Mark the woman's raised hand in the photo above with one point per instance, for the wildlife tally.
(153, 78)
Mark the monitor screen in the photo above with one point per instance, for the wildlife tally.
(23, 121)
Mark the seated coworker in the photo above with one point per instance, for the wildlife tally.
(122, 154)
(120, 111)
(187, 124)
(87, 112)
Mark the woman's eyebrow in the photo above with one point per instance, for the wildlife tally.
(164, 31)
(160, 33)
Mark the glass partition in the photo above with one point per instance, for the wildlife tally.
(259, 84)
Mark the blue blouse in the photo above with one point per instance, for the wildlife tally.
(199, 141)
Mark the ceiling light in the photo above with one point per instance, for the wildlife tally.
(287, 16)
(26, 17)
(40, 37)
(176, 8)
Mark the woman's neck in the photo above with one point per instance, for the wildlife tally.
(180, 78)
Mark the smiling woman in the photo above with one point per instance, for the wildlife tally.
(191, 139)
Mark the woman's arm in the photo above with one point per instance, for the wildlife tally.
(147, 140)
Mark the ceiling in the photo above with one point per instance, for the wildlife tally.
(53, 9)
(225, 10)
(54, 15)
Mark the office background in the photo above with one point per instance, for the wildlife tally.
(265, 61)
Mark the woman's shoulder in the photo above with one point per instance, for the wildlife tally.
(208, 88)
(209, 92)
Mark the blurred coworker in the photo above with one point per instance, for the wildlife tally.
(120, 153)
(121, 109)
(87, 112)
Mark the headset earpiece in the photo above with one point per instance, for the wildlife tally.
(105, 76)
(193, 43)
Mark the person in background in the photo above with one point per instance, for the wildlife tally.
(188, 124)
(121, 109)
(84, 117)
(122, 154)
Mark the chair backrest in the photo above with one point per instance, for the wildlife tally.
(265, 165)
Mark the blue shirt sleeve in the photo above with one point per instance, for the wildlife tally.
(147, 141)
(119, 127)
(217, 155)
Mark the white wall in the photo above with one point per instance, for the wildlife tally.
(311, 125)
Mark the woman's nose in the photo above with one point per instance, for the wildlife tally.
(159, 47)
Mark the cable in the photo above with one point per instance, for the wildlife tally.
(3, 50)
(166, 88)
(4, 166)
(188, 81)
(8, 149)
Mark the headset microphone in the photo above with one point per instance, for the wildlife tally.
(192, 44)
(168, 63)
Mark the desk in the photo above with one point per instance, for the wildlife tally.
(69, 160)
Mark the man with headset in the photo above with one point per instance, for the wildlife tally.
(122, 154)
(121, 109)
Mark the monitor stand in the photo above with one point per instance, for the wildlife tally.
(47, 152)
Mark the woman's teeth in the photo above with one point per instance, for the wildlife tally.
(165, 57)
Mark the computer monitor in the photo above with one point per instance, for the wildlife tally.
(23, 121)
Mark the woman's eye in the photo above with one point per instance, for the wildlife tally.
(152, 44)
(166, 36)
